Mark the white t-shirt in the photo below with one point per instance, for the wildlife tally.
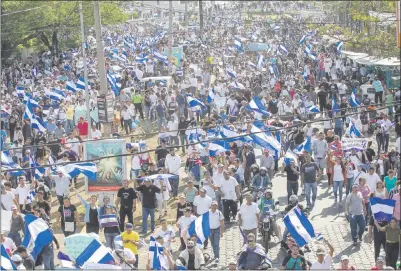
(209, 190)
(202, 204)
(215, 218)
(7, 200)
(136, 162)
(126, 255)
(23, 193)
(371, 181)
(325, 265)
(168, 235)
(184, 222)
(8, 243)
(228, 188)
(248, 216)
(96, 134)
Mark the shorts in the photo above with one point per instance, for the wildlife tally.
(320, 162)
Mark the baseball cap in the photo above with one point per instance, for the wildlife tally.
(320, 251)
(202, 190)
(13, 207)
(16, 258)
(129, 226)
(344, 257)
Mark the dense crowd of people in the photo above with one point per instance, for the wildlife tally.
(219, 94)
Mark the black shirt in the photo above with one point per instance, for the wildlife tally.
(45, 206)
(161, 153)
(322, 97)
(149, 195)
(93, 216)
(191, 261)
(67, 213)
(291, 176)
(370, 153)
(127, 197)
(55, 147)
(381, 223)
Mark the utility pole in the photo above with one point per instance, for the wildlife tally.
(200, 16)
(186, 20)
(1, 89)
(88, 116)
(101, 61)
(170, 36)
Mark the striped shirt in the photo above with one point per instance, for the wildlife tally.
(377, 85)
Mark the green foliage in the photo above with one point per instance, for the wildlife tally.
(51, 23)
(367, 36)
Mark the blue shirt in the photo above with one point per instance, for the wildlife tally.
(161, 110)
(377, 85)
(338, 123)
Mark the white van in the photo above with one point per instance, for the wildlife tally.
(369, 90)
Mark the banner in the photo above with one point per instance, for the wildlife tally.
(176, 55)
(358, 144)
(254, 47)
(76, 243)
(111, 171)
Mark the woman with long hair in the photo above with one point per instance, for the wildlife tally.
(338, 178)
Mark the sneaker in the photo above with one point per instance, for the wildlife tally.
(360, 238)
(355, 243)
(217, 260)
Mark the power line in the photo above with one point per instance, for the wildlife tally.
(185, 145)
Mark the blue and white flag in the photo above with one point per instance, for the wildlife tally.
(159, 56)
(335, 106)
(38, 124)
(95, 252)
(339, 46)
(141, 59)
(200, 227)
(290, 156)
(283, 49)
(382, 209)
(353, 101)
(319, 237)
(108, 220)
(252, 65)
(231, 73)
(256, 105)
(305, 146)
(261, 138)
(299, 226)
(7, 163)
(20, 91)
(39, 172)
(71, 86)
(157, 260)
(313, 109)
(114, 85)
(6, 262)
(238, 45)
(353, 131)
(65, 260)
(308, 52)
(80, 83)
(38, 232)
(193, 102)
(210, 96)
(260, 61)
(302, 40)
(86, 168)
(227, 133)
(28, 112)
(216, 147)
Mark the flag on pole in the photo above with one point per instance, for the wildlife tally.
(382, 209)
(299, 226)
(200, 227)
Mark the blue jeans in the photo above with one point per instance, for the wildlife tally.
(310, 188)
(219, 201)
(48, 257)
(181, 111)
(174, 141)
(110, 239)
(386, 138)
(368, 213)
(69, 126)
(355, 222)
(348, 185)
(145, 213)
(184, 140)
(174, 182)
(215, 241)
(16, 237)
(338, 187)
(161, 121)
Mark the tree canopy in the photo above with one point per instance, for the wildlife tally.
(51, 24)
(359, 30)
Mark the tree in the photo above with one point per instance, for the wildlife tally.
(42, 23)
(359, 30)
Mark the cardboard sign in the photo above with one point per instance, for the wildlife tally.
(358, 144)
(76, 243)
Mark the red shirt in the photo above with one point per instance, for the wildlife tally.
(83, 128)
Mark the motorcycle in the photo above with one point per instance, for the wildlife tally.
(268, 217)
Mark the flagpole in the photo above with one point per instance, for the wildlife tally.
(88, 117)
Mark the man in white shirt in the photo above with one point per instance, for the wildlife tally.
(218, 178)
(135, 166)
(372, 178)
(95, 133)
(230, 193)
(21, 194)
(216, 221)
(397, 146)
(173, 165)
(202, 202)
(323, 261)
(7, 198)
(172, 127)
(125, 258)
(248, 216)
(62, 186)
